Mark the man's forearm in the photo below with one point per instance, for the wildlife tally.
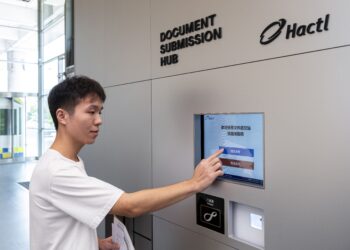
(148, 200)
(145, 201)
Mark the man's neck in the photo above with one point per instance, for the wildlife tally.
(66, 148)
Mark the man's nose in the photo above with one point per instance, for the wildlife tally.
(98, 120)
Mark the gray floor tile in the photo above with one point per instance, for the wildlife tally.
(14, 206)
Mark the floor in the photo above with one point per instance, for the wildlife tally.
(14, 205)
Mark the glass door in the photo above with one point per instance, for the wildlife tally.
(6, 140)
(14, 143)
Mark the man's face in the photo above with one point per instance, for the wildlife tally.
(83, 125)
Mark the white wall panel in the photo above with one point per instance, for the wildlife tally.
(242, 23)
(89, 38)
(112, 40)
(127, 41)
(184, 240)
(305, 102)
(121, 154)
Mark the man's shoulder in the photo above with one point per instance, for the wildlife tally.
(42, 173)
(49, 165)
(51, 162)
(55, 163)
(48, 157)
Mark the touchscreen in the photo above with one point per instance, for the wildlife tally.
(242, 138)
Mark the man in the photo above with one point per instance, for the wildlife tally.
(66, 205)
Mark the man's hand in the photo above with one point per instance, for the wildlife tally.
(207, 171)
(148, 200)
(107, 244)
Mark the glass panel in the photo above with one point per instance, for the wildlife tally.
(32, 126)
(19, 58)
(61, 68)
(54, 40)
(50, 75)
(19, 14)
(52, 51)
(51, 11)
(48, 132)
(18, 77)
(3, 77)
(18, 73)
(47, 120)
(18, 45)
(48, 138)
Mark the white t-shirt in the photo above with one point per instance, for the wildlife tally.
(66, 205)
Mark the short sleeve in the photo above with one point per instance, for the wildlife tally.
(85, 198)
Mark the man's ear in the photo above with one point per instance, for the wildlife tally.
(62, 116)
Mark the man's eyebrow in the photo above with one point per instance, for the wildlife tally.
(95, 107)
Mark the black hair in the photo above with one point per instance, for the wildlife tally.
(70, 91)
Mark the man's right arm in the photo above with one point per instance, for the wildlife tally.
(149, 200)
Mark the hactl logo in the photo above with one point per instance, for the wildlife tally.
(293, 30)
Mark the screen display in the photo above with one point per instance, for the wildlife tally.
(242, 138)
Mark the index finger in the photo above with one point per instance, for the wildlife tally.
(216, 154)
